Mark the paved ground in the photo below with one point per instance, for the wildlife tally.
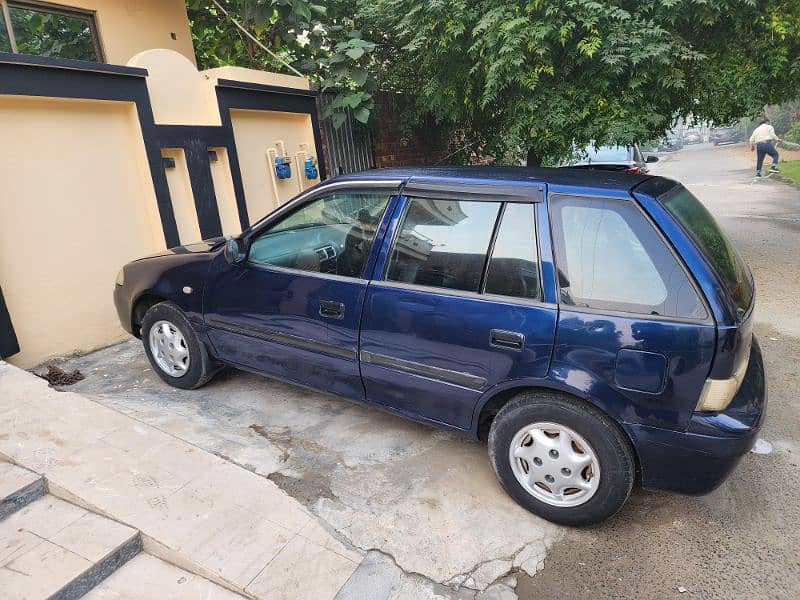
(425, 503)
(742, 540)
(188, 507)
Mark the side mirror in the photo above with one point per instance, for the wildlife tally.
(235, 252)
(651, 159)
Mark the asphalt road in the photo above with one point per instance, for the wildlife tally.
(425, 503)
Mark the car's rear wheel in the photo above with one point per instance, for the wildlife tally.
(173, 348)
(561, 458)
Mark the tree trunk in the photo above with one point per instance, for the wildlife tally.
(533, 159)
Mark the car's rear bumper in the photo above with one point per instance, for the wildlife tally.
(697, 460)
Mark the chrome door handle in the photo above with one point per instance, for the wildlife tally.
(331, 309)
(508, 340)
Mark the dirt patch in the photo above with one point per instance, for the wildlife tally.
(285, 440)
(282, 439)
(307, 489)
(56, 376)
(785, 154)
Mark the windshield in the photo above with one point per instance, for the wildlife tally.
(606, 154)
(717, 248)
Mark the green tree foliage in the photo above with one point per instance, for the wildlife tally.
(793, 134)
(532, 77)
(784, 116)
(318, 40)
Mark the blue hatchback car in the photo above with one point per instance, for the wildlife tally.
(592, 327)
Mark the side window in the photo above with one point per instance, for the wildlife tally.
(443, 243)
(332, 234)
(610, 257)
(514, 265)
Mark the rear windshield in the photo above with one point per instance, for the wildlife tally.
(606, 154)
(714, 244)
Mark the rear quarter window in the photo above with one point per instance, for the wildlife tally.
(713, 243)
(610, 257)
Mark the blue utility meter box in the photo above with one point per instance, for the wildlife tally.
(311, 168)
(283, 168)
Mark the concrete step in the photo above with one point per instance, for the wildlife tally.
(18, 487)
(192, 509)
(146, 576)
(51, 548)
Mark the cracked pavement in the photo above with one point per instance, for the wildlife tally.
(424, 503)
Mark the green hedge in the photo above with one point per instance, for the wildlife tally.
(793, 134)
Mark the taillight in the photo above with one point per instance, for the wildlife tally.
(633, 170)
(718, 393)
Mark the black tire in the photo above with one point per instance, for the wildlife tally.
(201, 367)
(611, 447)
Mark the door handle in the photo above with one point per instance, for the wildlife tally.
(509, 340)
(331, 309)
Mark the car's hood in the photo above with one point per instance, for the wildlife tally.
(198, 247)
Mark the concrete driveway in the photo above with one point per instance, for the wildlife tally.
(426, 504)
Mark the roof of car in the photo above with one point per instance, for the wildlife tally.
(585, 178)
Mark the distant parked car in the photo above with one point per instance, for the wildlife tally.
(594, 327)
(692, 137)
(725, 135)
(670, 143)
(612, 158)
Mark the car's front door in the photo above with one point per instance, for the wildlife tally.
(293, 308)
(455, 306)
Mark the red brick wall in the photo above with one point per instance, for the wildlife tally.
(323, 156)
(392, 147)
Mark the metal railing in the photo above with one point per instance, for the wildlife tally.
(349, 146)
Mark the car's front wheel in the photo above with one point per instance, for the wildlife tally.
(561, 458)
(173, 348)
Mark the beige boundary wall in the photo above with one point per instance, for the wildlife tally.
(79, 196)
(181, 95)
(77, 202)
(259, 135)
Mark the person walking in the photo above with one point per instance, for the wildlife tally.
(763, 142)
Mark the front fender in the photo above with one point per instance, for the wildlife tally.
(178, 278)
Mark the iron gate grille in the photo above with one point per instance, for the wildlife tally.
(350, 146)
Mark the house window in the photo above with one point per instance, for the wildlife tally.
(48, 30)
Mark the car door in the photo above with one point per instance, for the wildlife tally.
(634, 332)
(455, 307)
(293, 308)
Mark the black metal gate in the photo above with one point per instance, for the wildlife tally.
(8, 339)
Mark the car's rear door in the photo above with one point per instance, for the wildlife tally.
(293, 309)
(634, 332)
(455, 307)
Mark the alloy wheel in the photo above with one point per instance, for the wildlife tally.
(169, 349)
(554, 464)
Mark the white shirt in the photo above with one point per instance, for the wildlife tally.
(763, 133)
